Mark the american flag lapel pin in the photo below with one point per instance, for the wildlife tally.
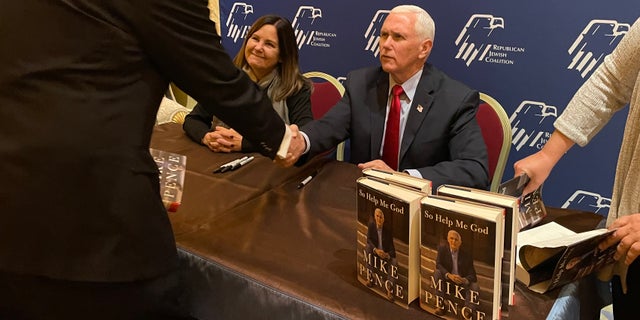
(419, 108)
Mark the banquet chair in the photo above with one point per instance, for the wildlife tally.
(170, 110)
(327, 91)
(496, 131)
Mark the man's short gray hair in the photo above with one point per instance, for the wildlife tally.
(425, 27)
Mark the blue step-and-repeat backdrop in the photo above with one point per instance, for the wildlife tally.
(531, 56)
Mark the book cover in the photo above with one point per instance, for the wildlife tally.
(511, 205)
(549, 230)
(559, 256)
(532, 209)
(461, 258)
(388, 231)
(404, 179)
(172, 168)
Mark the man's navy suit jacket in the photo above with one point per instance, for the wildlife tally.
(444, 263)
(442, 139)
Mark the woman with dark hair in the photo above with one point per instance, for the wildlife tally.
(269, 55)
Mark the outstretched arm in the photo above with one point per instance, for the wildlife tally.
(538, 166)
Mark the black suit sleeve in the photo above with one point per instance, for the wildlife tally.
(197, 123)
(299, 106)
(184, 45)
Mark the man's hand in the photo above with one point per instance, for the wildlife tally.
(456, 278)
(296, 148)
(375, 164)
(627, 236)
(380, 253)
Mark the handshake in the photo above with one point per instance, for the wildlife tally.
(224, 139)
(297, 145)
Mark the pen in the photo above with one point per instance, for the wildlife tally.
(220, 168)
(232, 165)
(241, 163)
(228, 165)
(307, 179)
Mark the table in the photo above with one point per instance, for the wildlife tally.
(253, 246)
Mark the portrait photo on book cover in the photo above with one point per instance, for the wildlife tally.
(378, 265)
(457, 271)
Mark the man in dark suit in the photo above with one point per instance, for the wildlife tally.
(84, 234)
(455, 266)
(380, 244)
(440, 139)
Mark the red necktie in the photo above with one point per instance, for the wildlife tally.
(392, 132)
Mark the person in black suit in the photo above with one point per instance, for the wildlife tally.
(380, 244)
(455, 265)
(84, 233)
(440, 137)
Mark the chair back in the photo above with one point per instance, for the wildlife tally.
(327, 91)
(496, 131)
(170, 110)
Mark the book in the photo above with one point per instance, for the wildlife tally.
(404, 179)
(532, 209)
(470, 289)
(551, 256)
(511, 206)
(388, 232)
(172, 168)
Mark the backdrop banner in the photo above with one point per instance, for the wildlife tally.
(529, 56)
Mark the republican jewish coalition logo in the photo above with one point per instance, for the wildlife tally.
(237, 23)
(532, 124)
(588, 201)
(472, 40)
(597, 40)
(303, 24)
(373, 32)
